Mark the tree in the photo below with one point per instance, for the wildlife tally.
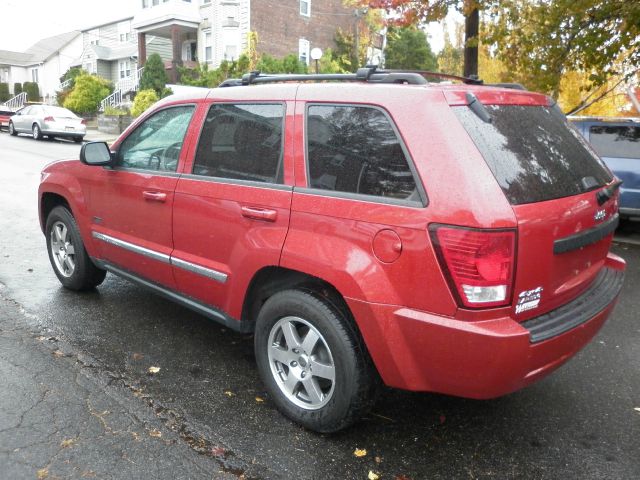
(144, 99)
(540, 41)
(408, 48)
(450, 58)
(418, 12)
(33, 91)
(154, 75)
(17, 88)
(88, 92)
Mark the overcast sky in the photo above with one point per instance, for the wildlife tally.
(24, 22)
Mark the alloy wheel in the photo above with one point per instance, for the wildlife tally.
(301, 363)
(62, 249)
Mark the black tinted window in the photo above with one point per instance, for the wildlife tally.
(616, 141)
(242, 142)
(533, 153)
(156, 143)
(356, 150)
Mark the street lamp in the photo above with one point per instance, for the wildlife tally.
(316, 54)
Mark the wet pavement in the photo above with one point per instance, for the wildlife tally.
(208, 402)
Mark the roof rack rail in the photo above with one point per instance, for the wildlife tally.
(369, 74)
(471, 80)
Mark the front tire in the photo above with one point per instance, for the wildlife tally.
(313, 362)
(12, 129)
(67, 254)
(37, 133)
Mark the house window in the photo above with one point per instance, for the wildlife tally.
(204, 2)
(34, 75)
(207, 47)
(231, 52)
(124, 32)
(125, 68)
(305, 8)
(145, 3)
(303, 50)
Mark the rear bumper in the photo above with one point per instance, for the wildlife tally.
(419, 351)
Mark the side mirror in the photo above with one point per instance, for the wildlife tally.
(96, 154)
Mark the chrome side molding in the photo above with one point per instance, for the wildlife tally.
(216, 275)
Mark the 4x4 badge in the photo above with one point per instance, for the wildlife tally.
(528, 300)
(599, 215)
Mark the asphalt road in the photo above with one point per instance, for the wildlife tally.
(579, 423)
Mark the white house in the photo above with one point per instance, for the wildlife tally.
(44, 63)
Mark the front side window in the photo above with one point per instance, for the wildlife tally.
(157, 142)
(125, 68)
(616, 141)
(242, 142)
(355, 149)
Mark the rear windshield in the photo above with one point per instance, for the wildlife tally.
(533, 153)
(616, 141)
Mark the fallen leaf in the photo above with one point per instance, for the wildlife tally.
(153, 370)
(138, 356)
(378, 459)
(67, 443)
(359, 452)
(442, 419)
(373, 475)
(637, 409)
(57, 353)
(42, 473)
(229, 393)
(218, 452)
(155, 433)
(259, 399)
(401, 477)
(41, 338)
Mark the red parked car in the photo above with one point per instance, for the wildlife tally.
(442, 238)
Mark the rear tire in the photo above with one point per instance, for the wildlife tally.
(78, 139)
(12, 129)
(67, 254)
(37, 133)
(313, 362)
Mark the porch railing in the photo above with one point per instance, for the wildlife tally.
(16, 102)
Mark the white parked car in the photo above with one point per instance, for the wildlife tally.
(48, 121)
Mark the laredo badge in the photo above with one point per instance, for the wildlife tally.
(528, 300)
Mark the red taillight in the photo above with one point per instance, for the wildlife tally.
(479, 263)
(48, 119)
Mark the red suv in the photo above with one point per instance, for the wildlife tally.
(445, 238)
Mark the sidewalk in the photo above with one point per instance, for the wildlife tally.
(61, 418)
(93, 135)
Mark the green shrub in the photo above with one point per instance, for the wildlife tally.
(17, 88)
(33, 92)
(72, 74)
(154, 75)
(88, 92)
(115, 111)
(4, 92)
(144, 99)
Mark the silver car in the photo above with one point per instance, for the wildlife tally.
(49, 121)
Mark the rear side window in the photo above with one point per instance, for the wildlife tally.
(356, 150)
(533, 153)
(616, 141)
(242, 142)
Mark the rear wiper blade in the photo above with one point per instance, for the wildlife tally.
(606, 193)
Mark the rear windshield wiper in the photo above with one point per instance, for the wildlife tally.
(606, 193)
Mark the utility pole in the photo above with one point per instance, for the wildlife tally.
(359, 13)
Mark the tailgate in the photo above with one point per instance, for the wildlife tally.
(552, 180)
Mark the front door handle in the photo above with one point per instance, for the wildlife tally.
(155, 196)
(265, 214)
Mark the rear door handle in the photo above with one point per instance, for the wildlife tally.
(265, 214)
(155, 196)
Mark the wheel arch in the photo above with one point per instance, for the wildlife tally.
(272, 279)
